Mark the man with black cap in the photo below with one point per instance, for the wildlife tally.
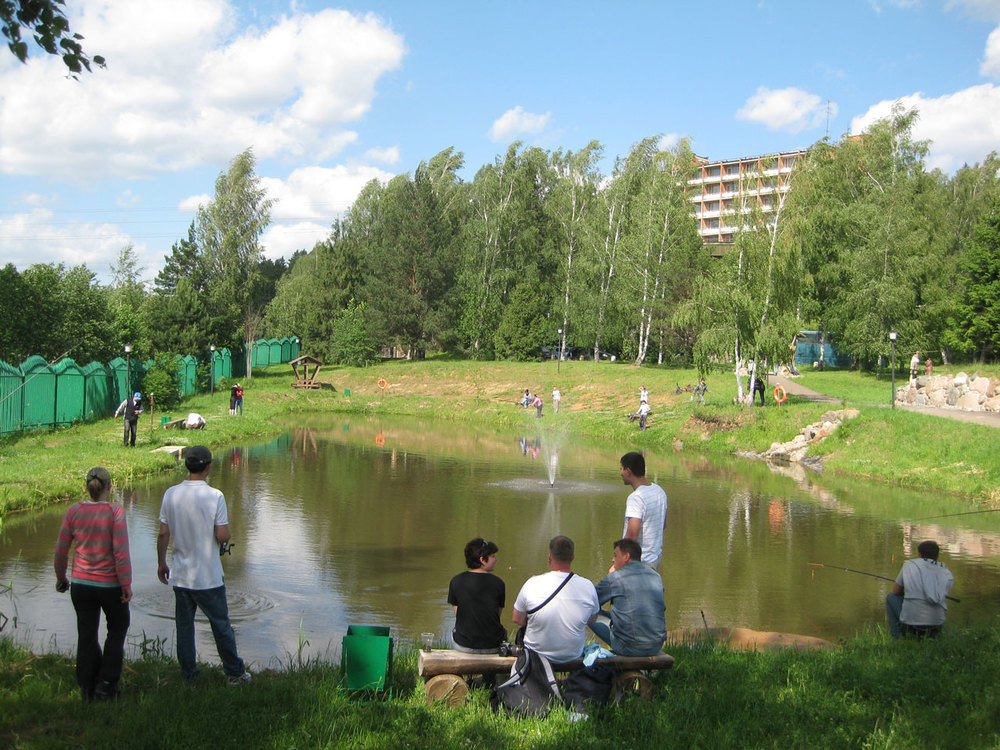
(131, 407)
(195, 516)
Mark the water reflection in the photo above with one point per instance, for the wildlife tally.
(354, 521)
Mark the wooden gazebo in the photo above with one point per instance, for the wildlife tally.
(304, 380)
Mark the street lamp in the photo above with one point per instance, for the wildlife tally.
(211, 372)
(892, 339)
(559, 361)
(128, 370)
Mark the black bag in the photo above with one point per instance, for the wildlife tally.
(532, 689)
(589, 687)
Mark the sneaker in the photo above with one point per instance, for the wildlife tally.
(241, 680)
(105, 691)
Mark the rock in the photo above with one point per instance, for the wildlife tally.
(920, 400)
(952, 396)
(994, 387)
(938, 397)
(980, 385)
(961, 379)
(969, 401)
(992, 404)
(921, 382)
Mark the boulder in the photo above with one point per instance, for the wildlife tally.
(938, 397)
(980, 385)
(994, 387)
(922, 381)
(992, 404)
(969, 401)
(952, 396)
(921, 399)
(961, 379)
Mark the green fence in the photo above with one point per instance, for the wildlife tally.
(38, 395)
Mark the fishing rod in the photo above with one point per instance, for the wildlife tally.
(963, 513)
(865, 573)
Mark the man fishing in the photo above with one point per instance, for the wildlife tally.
(917, 603)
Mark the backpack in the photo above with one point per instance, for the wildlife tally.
(589, 687)
(532, 689)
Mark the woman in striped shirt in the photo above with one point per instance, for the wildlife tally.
(101, 581)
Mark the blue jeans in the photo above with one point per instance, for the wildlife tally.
(601, 626)
(93, 664)
(893, 606)
(213, 603)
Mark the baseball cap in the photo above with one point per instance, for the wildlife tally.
(196, 458)
(137, 395)
(100, 474)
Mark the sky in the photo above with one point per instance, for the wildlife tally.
(332, 96)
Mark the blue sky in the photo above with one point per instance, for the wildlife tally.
(330, 96)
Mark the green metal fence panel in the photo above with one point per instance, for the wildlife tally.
(97, 391)
(227, 364)
(239, 362)
(39, 393)
(120, 380)
(70, 391)
(274, 352)
(286, 350)
(187, 374)
(261, 353)
(11, 398)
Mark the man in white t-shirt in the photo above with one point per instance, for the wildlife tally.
(557, 629)
(645, 510)
(194, 515)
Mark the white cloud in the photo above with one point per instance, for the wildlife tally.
(38, 236)
(991, 57)
(791, 110)
(515, 122)
(902, 4)
(180, 92)
(194, 202)
(384, 155)
(668, 141)
(963, 127)
(985, 9)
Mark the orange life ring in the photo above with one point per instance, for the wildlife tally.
(379, 440)
(382, 383)
(780, 395)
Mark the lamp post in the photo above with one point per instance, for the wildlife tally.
(211, 372)
(892, 339)
(559, 361)
(128, 370)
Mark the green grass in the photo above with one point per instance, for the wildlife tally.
(893, 446)
(873, 693)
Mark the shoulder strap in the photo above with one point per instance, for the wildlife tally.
(551, 596)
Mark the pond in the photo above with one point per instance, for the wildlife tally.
(355, 521)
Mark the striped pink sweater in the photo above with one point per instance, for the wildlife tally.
(101, 538)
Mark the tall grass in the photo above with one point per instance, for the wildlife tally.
(872, 692)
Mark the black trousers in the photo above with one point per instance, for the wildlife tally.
(130, 432)
(93, 664)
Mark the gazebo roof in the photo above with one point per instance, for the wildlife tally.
(305, 359)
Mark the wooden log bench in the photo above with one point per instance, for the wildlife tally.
(444, 672)
(180, 423)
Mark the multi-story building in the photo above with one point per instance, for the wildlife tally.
(723, 191)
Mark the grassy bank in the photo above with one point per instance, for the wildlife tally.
(872, 693)
(895, 446)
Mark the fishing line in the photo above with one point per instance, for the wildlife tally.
(864, 573)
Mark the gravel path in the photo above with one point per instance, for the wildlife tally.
(988, 418)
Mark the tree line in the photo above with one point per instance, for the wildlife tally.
(542, 250)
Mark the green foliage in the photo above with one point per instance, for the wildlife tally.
(524, 328)
(979, 312)
(162, 380)
(46, 23)
(350, 342)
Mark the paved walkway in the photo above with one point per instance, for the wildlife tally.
(988, 418)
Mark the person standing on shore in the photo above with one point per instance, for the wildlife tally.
(131, 408)
(101, 582)
(195, 516)
(645, 510)
(556, 396)
(915, 365)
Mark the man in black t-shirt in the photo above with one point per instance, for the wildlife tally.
(478, 598)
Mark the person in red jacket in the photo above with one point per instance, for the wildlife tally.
(101, 581)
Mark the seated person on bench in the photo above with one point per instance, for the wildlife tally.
(556, 626)
(635, 626)
(478, 599)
